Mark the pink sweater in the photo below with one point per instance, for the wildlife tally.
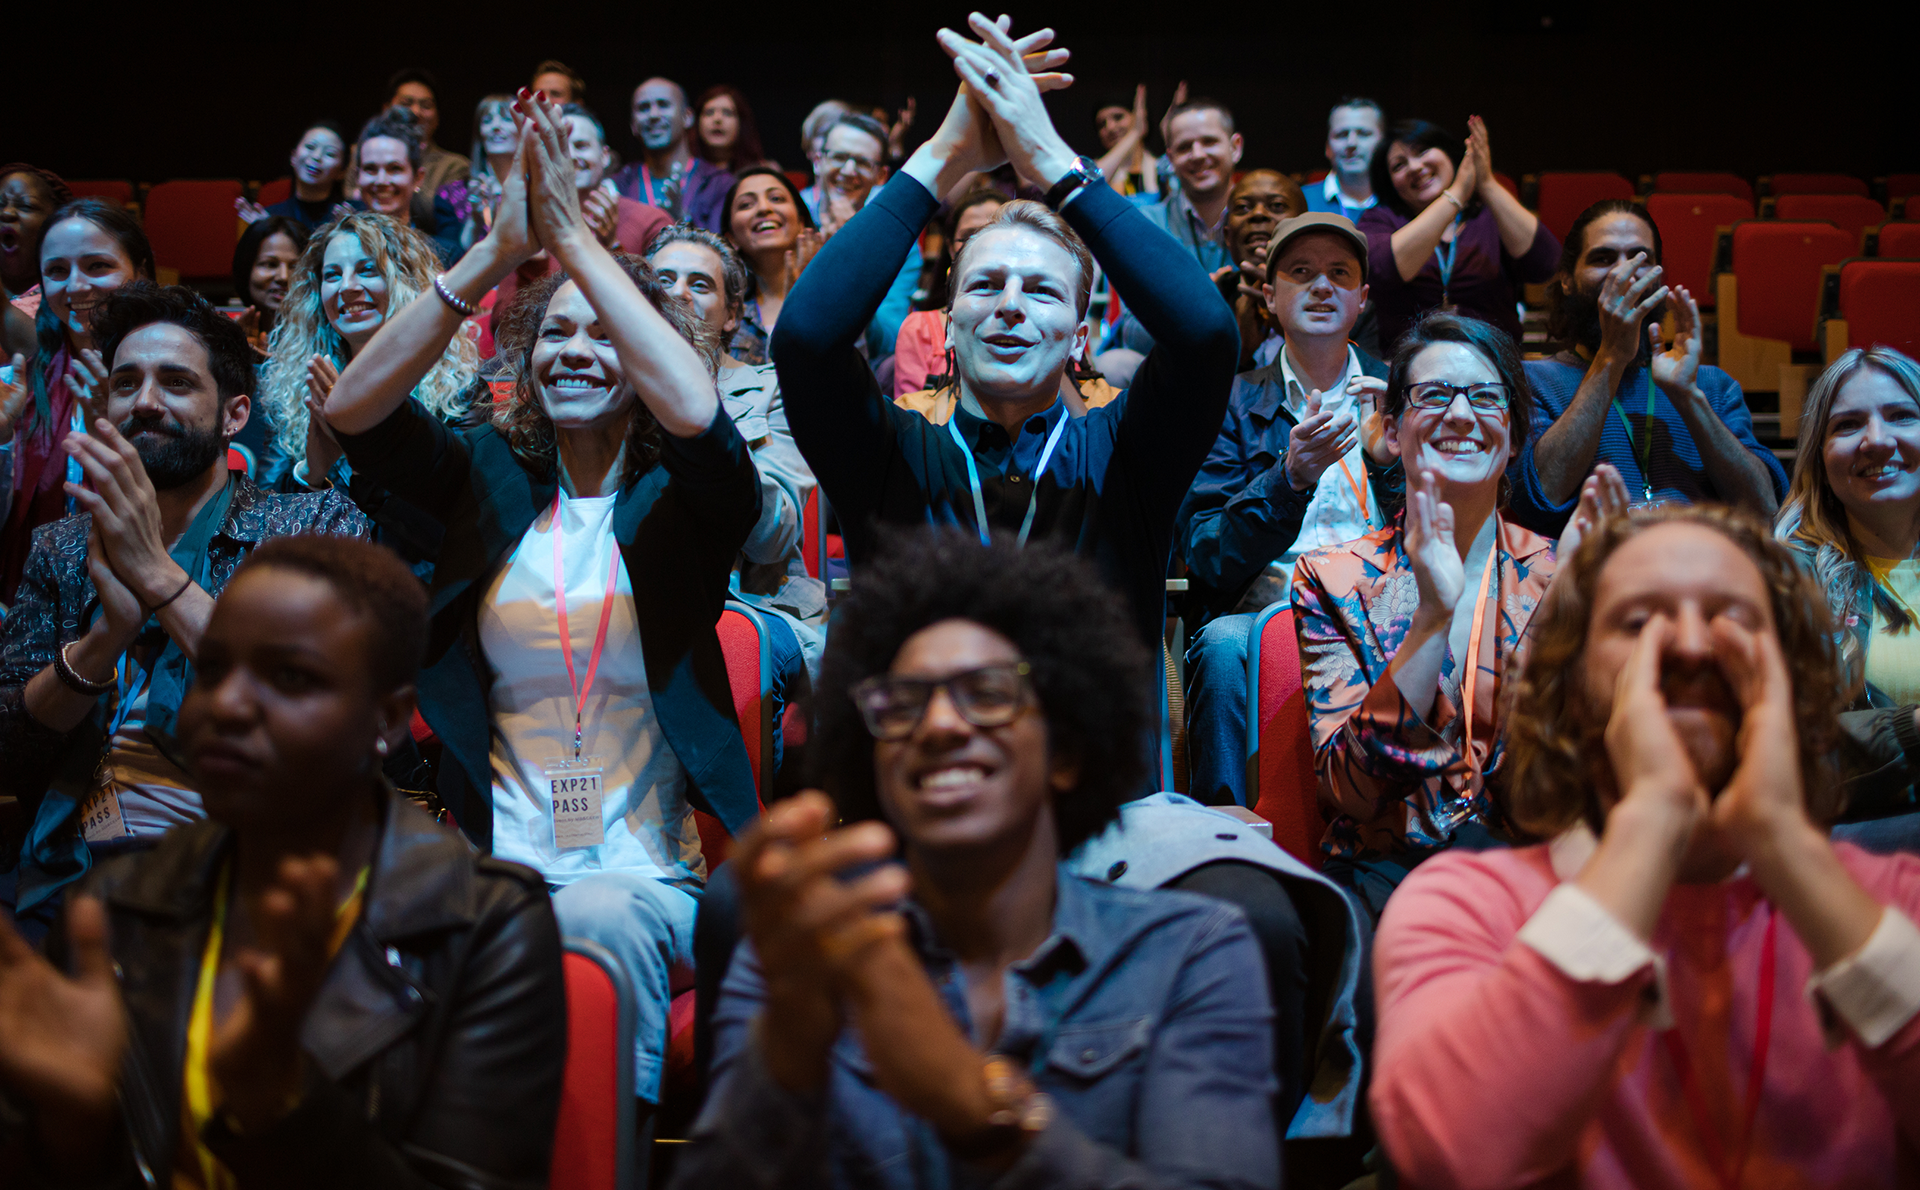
(1495, 1069)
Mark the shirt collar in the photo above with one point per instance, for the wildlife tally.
(972, 428)
(1076, 940)
(1293, 392)
(1330, 190)
(1190, 215)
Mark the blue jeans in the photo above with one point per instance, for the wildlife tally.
(1883, 836)
(647, 924)
(1217, 712)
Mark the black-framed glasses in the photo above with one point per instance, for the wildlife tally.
(990, 696)
(1438, 394)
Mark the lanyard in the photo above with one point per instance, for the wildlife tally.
(566, 638)
(973, 478)
(1359, 494)
(129, 693)
(646, 179)
(1443, 252)
(1643, 449)
(199, 1086)
(1473, 650)
(1726, 1172)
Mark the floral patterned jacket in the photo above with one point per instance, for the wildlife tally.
(1394, 781)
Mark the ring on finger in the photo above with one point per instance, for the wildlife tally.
(992, 77)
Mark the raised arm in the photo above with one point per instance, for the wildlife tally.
(382, 375)
(1516, 223)
(1735, 466)
(667, 373)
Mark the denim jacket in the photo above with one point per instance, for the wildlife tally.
(1144, 1016)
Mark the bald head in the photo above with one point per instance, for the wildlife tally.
(660, 115)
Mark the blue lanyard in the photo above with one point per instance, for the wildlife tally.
(129, 694)
(973, 477)
(1443, 252)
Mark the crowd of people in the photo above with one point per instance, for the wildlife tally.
(360, 646)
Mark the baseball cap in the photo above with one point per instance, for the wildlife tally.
(1316, 221)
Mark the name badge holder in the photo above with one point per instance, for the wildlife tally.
(100, 817)
(576, 787)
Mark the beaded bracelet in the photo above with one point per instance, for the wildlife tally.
(453, 300)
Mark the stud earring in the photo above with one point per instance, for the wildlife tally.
(380, 746)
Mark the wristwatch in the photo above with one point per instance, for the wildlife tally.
(1020, 1113)
(1084, 172)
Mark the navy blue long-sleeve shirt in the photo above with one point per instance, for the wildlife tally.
(1115, 481)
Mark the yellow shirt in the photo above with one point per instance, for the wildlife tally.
(1893, 654)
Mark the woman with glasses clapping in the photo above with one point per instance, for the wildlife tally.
(1405, 633)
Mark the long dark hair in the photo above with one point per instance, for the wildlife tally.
(1560, 328)
(1418, 135)
(50, 335)
(248, 250)
(746, 145)
(726, 213)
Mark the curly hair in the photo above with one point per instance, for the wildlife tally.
(1089, 672)
(1813, 519)
(302, 330)
(521, 417)
(1554, 743)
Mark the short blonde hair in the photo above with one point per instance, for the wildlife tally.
(1037, 217)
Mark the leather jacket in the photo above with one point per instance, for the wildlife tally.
(434, 1048)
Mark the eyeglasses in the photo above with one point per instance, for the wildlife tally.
(850, 163)
(1438, 394)
(991, 696)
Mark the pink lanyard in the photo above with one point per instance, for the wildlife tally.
(566, 638)
(1728, 1174)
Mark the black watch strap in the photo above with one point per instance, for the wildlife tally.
(1085, 172)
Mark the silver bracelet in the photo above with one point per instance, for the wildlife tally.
(468, 309)
(1446, 194)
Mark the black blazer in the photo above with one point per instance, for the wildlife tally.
(435, 1047)
(679, 526)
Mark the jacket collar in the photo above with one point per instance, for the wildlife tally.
(413, 887)
(1272, 381)
(247, 516)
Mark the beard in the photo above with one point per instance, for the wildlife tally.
(1580, 314)
(173, 454)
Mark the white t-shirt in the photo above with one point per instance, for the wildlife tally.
(649, 824)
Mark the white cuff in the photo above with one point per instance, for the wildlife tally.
(1576, 934)
(1876, 990)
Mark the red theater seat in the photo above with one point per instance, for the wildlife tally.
(818, 547)
(278, 190)
(1283, 788)
(1688, 224)
(1849, 212)
(1675, 182)
(1562, 196)
(1816, 184)
(192, 226)
(1778, 268)
(1900, 239)
(1902, 185)
(593, 1139)
(1878, 304)
(112, 189)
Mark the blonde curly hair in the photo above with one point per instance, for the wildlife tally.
(408, 262)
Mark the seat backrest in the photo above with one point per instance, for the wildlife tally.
(1902, 185)
(1279, 741)
(1900, 239)
(1850, 213)
(1778, 264)
(1563, 196)
(819, 548)
(1880, 299)
(593, 1139)
(1818, 184)
(278, 190)
(748, 651)
(192, 226)
(113, 189)
(1687, 224)
(1680, 182)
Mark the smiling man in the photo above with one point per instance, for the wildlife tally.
(100, 643)
(1204, 148)
(1354, 128)
(416, 89)
(669, 175)
(1288, 473)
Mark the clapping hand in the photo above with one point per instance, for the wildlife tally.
(805, 247)
(557, 220)
(1625, 302)
(13, 398)
(1431, 550)
(249, 322)
(126, 512)
(1480, 151)
(897, 134)
(87, 381)
(1602, 496)
(1677, 365)
(1008, 76)
(602, 213)
(62, 1038)
(1367, 393)
(255, 1057)
(323, 449)
(249, 212)
(1318, 441)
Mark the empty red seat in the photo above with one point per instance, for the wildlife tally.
(1285, 791)
(1900, 239)
(1818, 184)
(1880, 301)
(1676, 182)
(594, 1135)
(1563, 196)
(112, 189)
(278, 190)
(1851, 213)
(192, 226)
(1778, 266)
(1687, 224)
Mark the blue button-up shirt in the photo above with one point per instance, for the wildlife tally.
(1144, 1015)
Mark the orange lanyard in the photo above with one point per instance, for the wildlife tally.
(1359, 494)
(1726, 1172)
(1473, 650)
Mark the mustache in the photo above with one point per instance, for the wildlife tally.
(152, 425)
